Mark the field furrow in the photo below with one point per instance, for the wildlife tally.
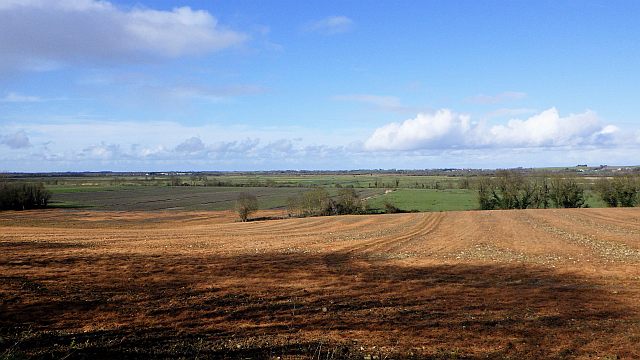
(478, 284)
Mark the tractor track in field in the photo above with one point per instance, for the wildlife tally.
(606, 250)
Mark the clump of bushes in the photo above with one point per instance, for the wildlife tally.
(23, 196)
(622, 191)
(317, 202)
(512, 190)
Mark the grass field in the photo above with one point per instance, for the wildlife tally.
(428, 200)
(526, 284)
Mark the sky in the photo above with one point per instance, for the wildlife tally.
(88, 85)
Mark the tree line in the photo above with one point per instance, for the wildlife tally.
(620, 191)
(23, 196)
(513, 190)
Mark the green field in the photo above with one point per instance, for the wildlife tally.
(428, 200)
(444, 200)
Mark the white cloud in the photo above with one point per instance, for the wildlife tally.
(18, 98)
(191, 145)
(330, 25)
(445, 129)
(42, 34)
(546, 129)
(498, 98)
(245, 146)
(18, 140)
(101, 151)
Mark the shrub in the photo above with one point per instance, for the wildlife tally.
(390, 208)
(310, 203)
(348, 202)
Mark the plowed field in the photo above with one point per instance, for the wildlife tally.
(500, 284)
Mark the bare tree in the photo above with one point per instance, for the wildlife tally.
(246, 204)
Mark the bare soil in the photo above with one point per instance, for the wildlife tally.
(524, 284)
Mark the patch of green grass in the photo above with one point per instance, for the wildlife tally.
(428, 200)
(593, 199)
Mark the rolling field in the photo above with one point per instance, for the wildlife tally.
(520, 284)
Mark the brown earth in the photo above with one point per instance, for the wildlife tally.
(501, 284)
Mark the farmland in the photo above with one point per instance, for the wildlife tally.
(154, 198)
(559, 283)
(418, 191)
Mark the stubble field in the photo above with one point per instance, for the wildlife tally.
(559, 283)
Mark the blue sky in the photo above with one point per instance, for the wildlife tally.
(258, 85)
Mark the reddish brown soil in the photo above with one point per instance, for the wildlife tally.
(503, 284)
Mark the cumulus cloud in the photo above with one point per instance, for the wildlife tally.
(102, 151)
(191, 145)
(223, 148)
(445, 129)
(43, 34)
(498, 98)
(330, 25)
(18, 140)
(548, 129)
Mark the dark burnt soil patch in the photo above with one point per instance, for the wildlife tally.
(301, 305)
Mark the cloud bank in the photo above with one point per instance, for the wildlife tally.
(43, 34)
(445, 129)
(442, 138)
